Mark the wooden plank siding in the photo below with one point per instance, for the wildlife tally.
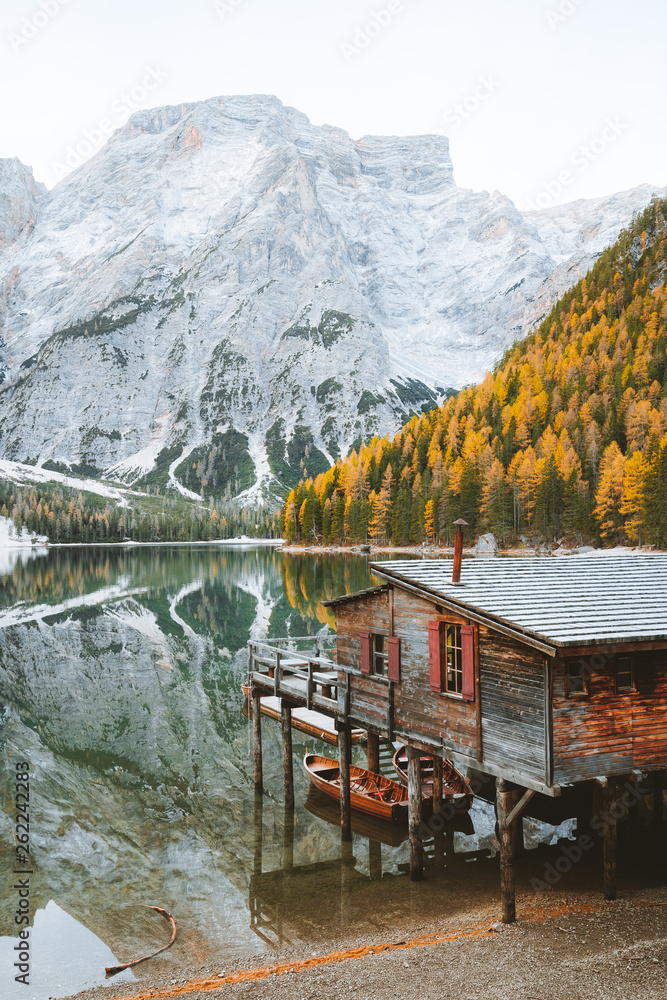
(505, 722)
(513, 696)
(369, 696)
(440, 717)
(607, 733)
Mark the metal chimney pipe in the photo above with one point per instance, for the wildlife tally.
(458, 550)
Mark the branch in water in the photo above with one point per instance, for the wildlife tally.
(112, 970)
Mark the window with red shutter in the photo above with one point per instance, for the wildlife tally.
(468, 662)
(436, 631)
(394, 659)
(366, 643)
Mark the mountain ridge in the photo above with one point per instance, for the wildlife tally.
(225, 278)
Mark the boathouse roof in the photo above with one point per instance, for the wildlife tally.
(567, 600)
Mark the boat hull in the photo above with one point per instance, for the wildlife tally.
(456, 789)
(368, 792)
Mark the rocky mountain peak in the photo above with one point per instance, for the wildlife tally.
(226, 293)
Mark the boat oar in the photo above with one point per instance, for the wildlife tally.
(112, 970)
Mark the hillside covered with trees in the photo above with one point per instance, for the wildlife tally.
(566, 438)
(66, 515)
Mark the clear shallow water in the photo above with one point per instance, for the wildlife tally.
(120, 673)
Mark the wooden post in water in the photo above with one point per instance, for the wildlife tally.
(414, 813)
(609, 801)
(288, 757)
(257, 843)
(373, 752)
(288, 839)
(437, 785)
(344, 758)
(374, 859)
(507, 889)
(257, 736)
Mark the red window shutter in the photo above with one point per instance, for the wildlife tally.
(435, 633)
(468, 662)
(365, 652)
(394, 658)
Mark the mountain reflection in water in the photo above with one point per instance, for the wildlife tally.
(120, 673)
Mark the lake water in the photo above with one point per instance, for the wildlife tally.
(120, 673)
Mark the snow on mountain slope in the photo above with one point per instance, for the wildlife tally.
(226, 281)
(21, 474)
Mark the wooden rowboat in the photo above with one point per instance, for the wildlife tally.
(455, 788)
(370, 793)
(314, 724)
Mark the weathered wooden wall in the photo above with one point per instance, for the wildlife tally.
(416, 707)
(369, 696)
(504, 725)
(607, 733)
(513, 692)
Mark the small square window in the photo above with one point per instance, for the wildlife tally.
(625, 675)
(379, 655)
(454, 679)
(577, 679)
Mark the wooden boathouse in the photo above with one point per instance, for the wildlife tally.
(541, 673)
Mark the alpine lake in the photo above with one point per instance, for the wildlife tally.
(120, 685)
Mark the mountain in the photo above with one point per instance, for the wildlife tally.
(20, 198)
(568, 436)
(226, 294)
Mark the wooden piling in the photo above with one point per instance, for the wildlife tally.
(437, 785)
(257, 736)
(373, 752)
(288, 758)
(609, 800)
(507, 887)
(344, 757)
(258, 833)
(374, 859)
(414, 814)
(288, 839)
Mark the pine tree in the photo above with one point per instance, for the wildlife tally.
(633, 499)
(400, 521)
(470, 494)
(338, 518)
(609, 494)
(655, 495)
(548, 492)
(496, 501)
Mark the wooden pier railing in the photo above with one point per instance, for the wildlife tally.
(304, 676)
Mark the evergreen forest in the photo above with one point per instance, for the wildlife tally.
(566, 440)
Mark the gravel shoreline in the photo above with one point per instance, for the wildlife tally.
(587, 949)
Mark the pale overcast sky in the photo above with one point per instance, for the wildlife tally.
(526, 90)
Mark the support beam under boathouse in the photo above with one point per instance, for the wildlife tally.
(415, 814)
(345, 759)
(257, 737)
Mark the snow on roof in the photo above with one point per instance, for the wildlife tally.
(571, 601)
